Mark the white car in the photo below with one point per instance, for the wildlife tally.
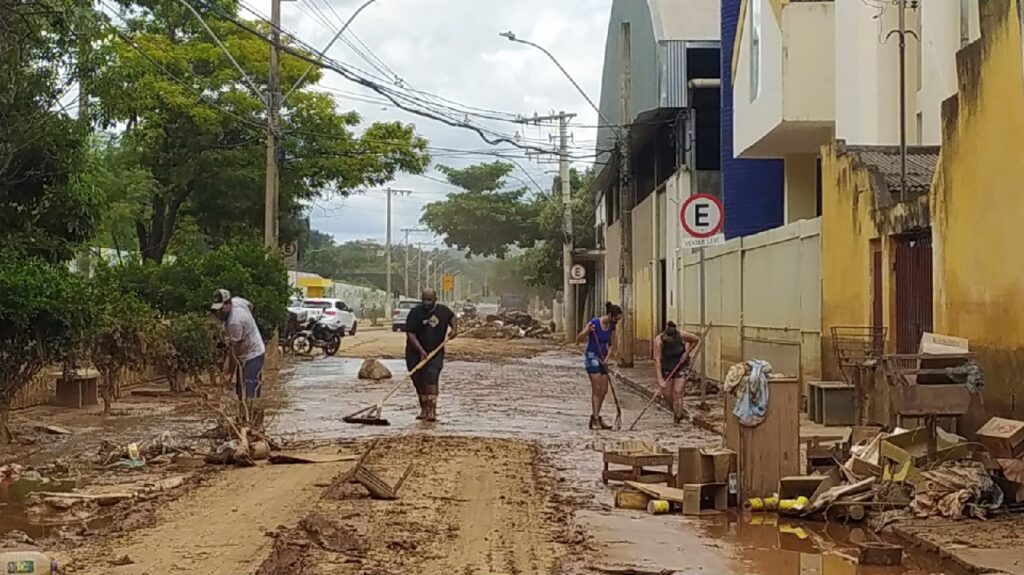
(401, 312)
(334, 311)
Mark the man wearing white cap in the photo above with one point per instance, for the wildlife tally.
(236, 313)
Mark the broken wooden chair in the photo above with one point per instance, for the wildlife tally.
(377, 487)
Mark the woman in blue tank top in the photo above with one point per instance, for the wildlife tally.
(599, 334)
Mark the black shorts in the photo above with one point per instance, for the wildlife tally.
(666, 370)
(428, 378)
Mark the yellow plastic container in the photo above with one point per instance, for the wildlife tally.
(763, 504)
(658, 507)
(790, 505)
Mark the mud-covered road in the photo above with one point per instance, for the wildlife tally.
(507, 482)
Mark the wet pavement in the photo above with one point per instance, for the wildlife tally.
(546, 400)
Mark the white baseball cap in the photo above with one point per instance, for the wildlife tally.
(220, 297)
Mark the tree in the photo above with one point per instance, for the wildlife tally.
(44, 309)
(185, 285)
(485, 219)
(118, 338)
(542, 263)
(197, 126)
(488, 222)
(189, 346)
(42, 209)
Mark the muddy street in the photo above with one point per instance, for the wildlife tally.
(508, 481)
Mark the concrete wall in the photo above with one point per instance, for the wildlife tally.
(762, 298)
(801, 187)
(977, 207)
(757, 115)
(751, 189)
(867, 79)
(644, 274)
(808, 47)
(940, 29)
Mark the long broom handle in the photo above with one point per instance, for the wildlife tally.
(671, 374)
(413, 371)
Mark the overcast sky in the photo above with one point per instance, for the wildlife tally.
(451, 48)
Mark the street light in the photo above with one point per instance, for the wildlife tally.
(513, 38)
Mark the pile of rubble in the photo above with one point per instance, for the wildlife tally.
(506, 325)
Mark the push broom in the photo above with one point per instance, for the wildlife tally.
(372, 415)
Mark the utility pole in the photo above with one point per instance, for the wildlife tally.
(568, 294)
(387, 252)
(902, 31)
(627, 347)
(408, 231)
(273, 108)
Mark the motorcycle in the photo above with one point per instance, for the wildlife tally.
(320, 331)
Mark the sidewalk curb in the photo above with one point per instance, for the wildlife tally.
(910, 539)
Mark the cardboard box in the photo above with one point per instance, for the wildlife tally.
(903, 453)
(699, 466)
(705, 499)
(936, 344)
(1004, 438)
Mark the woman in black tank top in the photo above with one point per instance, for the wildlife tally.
(673, 350)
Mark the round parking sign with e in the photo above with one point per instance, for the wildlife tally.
(702, 215)
(578, 272)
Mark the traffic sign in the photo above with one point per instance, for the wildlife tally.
(702, 216)
(577, 274)
(447, 283)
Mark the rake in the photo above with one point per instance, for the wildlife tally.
(372, 415)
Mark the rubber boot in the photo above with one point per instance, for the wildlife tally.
(423, 407)
(431, 402)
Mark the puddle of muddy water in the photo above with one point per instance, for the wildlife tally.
(770, 545)
(17, 515)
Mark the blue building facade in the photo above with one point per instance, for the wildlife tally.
(752, 190)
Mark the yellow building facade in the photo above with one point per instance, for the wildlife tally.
(946, 258)
(978, 208)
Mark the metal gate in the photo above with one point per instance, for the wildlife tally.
(913, 289)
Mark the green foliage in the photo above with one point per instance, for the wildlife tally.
(206, 154)
(542, 264)
(189, 344)
(486, 219)
(120, 336)
(487, 222)
(44, 310)
(186, 285)
(42, 209)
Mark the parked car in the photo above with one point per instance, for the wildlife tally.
(401, 312)
(335, 313)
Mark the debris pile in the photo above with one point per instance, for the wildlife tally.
(373, 369)
(507, 325)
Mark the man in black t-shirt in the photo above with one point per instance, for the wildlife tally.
(426, 328)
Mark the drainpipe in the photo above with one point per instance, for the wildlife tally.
(698, 84)
(965, 22)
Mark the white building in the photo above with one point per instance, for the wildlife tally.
(809, 72)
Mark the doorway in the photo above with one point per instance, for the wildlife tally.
(913, 267)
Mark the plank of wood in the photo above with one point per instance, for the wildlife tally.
(311, 458)
(659, 491)
(629, 499)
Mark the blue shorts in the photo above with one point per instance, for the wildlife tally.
(593, 363)
(252, 377)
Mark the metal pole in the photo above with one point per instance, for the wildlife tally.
(406, 274)
(569, 314)
(273, 100)
(387, 251)
(703, 320)
(903, 99)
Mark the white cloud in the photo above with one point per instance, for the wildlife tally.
(451, 48)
